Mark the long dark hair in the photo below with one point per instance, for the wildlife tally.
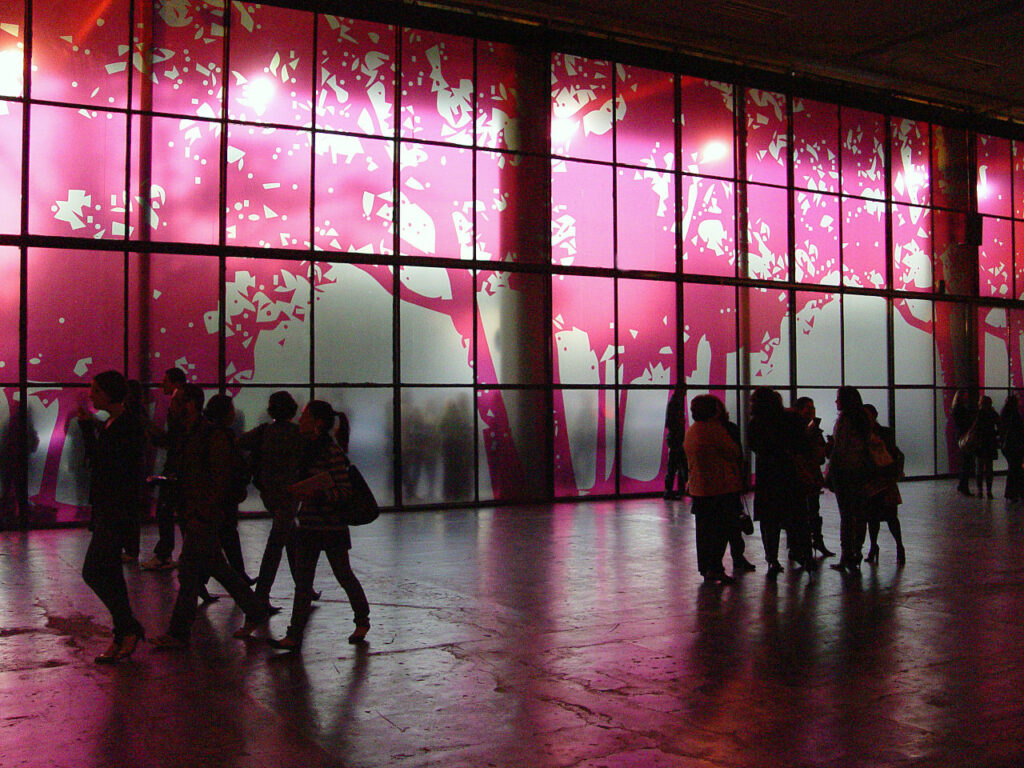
(851, 408)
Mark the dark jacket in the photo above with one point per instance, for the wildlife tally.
(204, 474)
(320, 513)
(114, 450)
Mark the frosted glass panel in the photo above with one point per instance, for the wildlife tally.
(58, 477)
(510, 328)
(864, 333)
(995, 258)
(993, 346)
(647, 332)
(581, 107)
(768, 341)
(911, 166)
(437, 87)
(512, 449)
(356, 81)
(864, 245)
(646, 101)
(709, 333)
(818, 339)
(584, 440)
(767, 233)
(706, 127)
(645, 201)
(817, 238)
(912, 342)
(863, 153)
(915, 429)
(437, 445)
(912, 248)
(12, 32)
(371, 444)
(511, 208)
(767, 128)
(10, 162)
(436, 201)
(10, 303)
(993, 158)
(353, 324)
(584, 344)
(437, 325)
(267, 321)
(709, 226)
(582, 227)
(642, 425)
(816, 145)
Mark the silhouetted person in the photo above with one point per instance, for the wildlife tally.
(737, 546)
(963, 417)
(1011, 433)
(114, 448)
(713, 458)
(204, 480)
(168, 497)
(274, 451)
(809, 463)
(850, 471)
(220, 413)
(456, 429)
(883, 506)
(135, 407)
(17, 439)
(986, 427)
(675, 430)
(325, 483)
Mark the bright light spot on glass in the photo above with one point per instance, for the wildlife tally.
(714, 151)
(916, 178)
(562, 130)
(10, 72)
(260, 93)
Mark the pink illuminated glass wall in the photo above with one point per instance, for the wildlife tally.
(498, 262)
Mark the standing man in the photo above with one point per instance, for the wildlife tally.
(204, 484)
(809, 466)
(167, 502)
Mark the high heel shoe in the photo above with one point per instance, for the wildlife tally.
(110, 655)
(872, 555)
(774, 569)
(819, 545)
(286, 643)
(901, 555)
(129, 643)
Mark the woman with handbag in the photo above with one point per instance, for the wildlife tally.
(850, 471)
(324, 469)
(986, 435)
(883, 505)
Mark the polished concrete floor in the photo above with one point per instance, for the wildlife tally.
(578, 635)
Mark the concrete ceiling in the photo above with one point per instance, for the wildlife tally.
(965, 55)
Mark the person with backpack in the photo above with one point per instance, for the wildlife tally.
(323, 490)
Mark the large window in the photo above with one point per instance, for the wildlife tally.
(498, 260)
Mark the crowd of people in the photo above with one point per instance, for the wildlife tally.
(300, 470)
(794, 462)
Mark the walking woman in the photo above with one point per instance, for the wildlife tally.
(324, 469)
(849, 471)
(1011, 433)
(114, 448)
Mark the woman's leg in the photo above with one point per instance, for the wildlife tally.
(337, 556)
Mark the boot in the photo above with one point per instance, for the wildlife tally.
(818, 542)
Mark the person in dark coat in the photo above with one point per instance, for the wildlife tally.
(774, 436)
(883, 506)
(963, 417)
(675, 429)
(986, 427)
(1011, 433)
(737, 546)
(850, 472)
(809, 463)
(114, 449)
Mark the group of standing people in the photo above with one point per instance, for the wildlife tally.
(981, 433)
(300, 470)
(791, 451)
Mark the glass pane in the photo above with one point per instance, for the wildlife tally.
(12, 49)
(951, 256)
(993, 158)
(353, 303)
(1018, 179)
(510, 83)
(815, 145)
(58, 477)
(437, 87)
(864, 244)
(268, 187)
(995, 258)
(80, 52)
(511, 326)
(818, 338)
(767, 128)
(647, 332)
(584, 329)
(863, 153)
(513, 457)
(267, 321)
(172, 314)
(437, 201)
(437, 325)
(709, 335)
(354, 194)
(584, 441)
(1018, 258)
(271, 65)
(77, 186)
(645, 202)
(581, 107)
(912, 248)
(911, 180)
(950, 182)
(950, 321)
(642, 424)
(1016, 342)
(437, 445)
(767, 233)
(185, 196)
(947, 454)
(76, 297)
(993, 348)
(582, 231)
(370, 415)
(915, 429)
(511, 210)
(356, 86)
(709, 227)
(768, 340)
(645, 126)
(912, 342)
(817, 238)
(864, 347)
(706, 127)
(10, 312)
(188, 59)
(10, 161)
